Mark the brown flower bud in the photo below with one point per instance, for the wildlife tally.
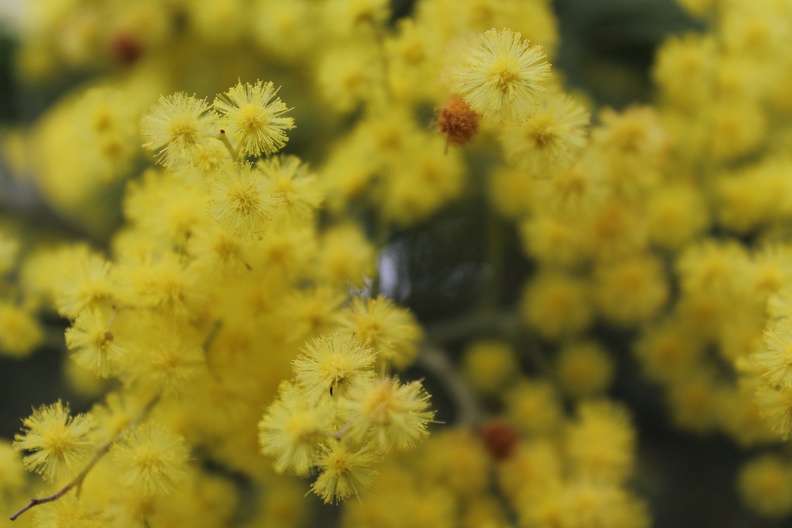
(457, 122)
(500, 438)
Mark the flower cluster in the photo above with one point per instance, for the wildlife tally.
(247, 301)
(338, 417)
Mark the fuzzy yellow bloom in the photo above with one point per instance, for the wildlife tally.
(59, 443)
(152, 459)
(115, 414)
(296, 187)
(584, 368)
(344, 472)
(242, 200)
(178, 128)
(765, 484)
(392, 414)
(775, 406)
(630, 291)
(312, 312)
(601, 443)
(774, 360)
(551, 140)
(20, 332)
(534, 407)
(290, 430)
(69, 512)
(501, 76)
(253, 115)
(675, 215)
(332, 366)
(490, 365)
(12, 472)
(167, 356)
(90, 286)
(556, 305)
(93, 344)
(390, 331)
(455, 459)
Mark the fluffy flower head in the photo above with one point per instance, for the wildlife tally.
(178, 127)
(253, 115)
(395, 414)
(289, 430)
(332, 366)
(242, 200)
(345, 472)
(59, 443)
(153, 459)
(501, 76)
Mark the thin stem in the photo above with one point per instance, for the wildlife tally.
(338, 435)
(505, 323)
(223, 137)
(100, 453)
(111, 319)
(436, 361)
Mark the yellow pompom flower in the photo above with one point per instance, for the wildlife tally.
(551, 140)
(456, 460)
(89, 286)
(556, 305)
(253, 115)
(168, 357)
(242, 200)
(20, 332)
(490, 365)
(331, 366)
(533, 406)
(775, 406)
(178, 127)
(67, 512)
(297, 188)
(290, 429)
(93, 344)
(59, 443)
(12, 472)
(500, 77)
(152, 459)
(345, 472)
(630, 291)
(390, 331)
(312, 312)
(774, 360)
(765, 485)
(115, 414)
(393, 415)
(601, 442)
(584, 368)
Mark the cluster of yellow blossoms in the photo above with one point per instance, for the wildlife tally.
(232, 315)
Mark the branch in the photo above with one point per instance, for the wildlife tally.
(501, 323)
(436, 361)
(101, 452)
